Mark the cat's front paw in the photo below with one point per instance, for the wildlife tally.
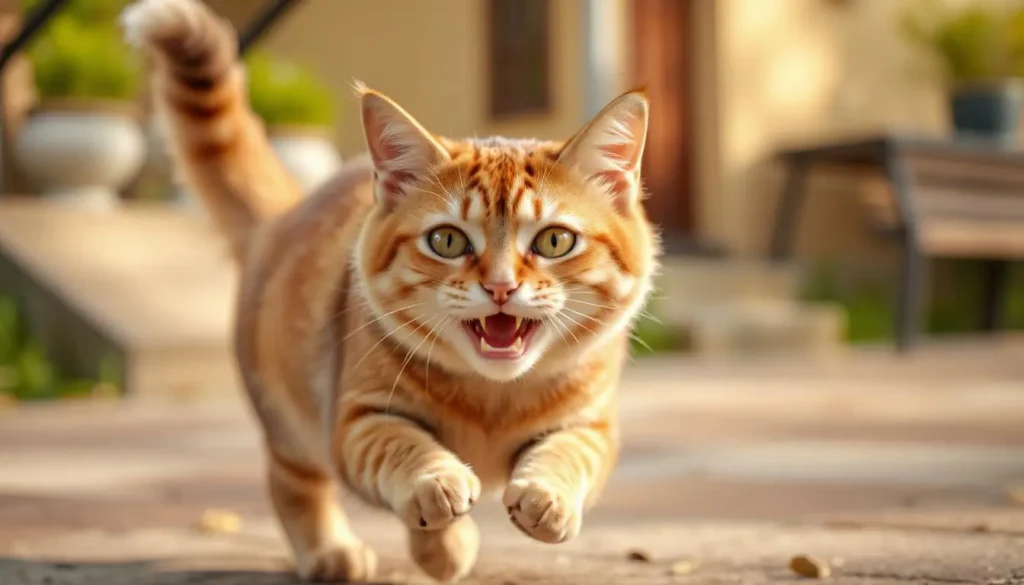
(543, 511)
(338, 563)
(436, 499)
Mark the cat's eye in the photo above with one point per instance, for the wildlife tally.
(554, 242)
(448, 242)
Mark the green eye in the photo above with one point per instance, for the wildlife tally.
(554, 242)
(448, 242)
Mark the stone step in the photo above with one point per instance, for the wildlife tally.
(696, 282)
(150, 284)
(744, 306)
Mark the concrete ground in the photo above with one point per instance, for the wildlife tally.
(891, 470)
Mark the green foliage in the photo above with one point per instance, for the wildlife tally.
(953, 307)
(80, 53)
(26, 372)
(969, 43)
(651, 337)
(282, 92)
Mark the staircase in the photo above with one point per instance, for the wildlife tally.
(150, 285)
(731, 306)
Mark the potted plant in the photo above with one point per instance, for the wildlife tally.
(298, 111)
(83, 142)
(980, 53)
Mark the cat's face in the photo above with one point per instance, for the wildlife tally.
(500, 256)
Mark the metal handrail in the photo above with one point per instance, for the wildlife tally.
(272, 11)
(35, 22)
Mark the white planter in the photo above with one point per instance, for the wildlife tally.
(81, 153)
(307, 153)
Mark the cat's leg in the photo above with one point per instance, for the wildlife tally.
(447, 554)
(305, 500)
(556, 479)
(395, 463)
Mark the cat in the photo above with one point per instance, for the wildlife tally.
(441, 320)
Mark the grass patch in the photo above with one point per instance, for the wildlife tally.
(28, 373)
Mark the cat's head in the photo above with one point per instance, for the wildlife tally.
(499, 256)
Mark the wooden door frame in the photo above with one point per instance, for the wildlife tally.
(699, 215)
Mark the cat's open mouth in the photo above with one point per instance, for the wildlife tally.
(501, 336)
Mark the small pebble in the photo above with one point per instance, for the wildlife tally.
(220, 522)
(639, 556)
(683, 567)
(808, 566)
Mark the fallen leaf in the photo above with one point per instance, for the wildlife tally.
(639, 556)
(220, 522)
(682, 567)
(808, 566)
(1015, 493)
(8, 402)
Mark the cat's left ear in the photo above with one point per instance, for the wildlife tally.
(608, 150)
(403, 151)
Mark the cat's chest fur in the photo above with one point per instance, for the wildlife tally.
(490, 455)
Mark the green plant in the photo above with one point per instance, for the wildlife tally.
(954, 302)
(27, 373)
(80, 53)
(282, 92)
(969, 43)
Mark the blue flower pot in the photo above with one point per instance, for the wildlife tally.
(988, 111)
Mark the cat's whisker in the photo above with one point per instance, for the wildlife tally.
(584, 315)
(430, 350)
(408, 357)
(381, 340)
(554, 324)
(640, 340)
(558, 317)
(385, 315)
(577, 323)
(642, 312)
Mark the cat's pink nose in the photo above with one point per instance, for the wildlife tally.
(500, 291)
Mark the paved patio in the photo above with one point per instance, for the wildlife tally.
(892, 470)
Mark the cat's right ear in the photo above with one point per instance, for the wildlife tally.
(402, 150)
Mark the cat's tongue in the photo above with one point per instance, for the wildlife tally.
(500, 330)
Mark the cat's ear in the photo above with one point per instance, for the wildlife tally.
(608, 150)
(402, 150)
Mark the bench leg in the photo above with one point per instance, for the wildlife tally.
(995, 282)
(911, 303)
(788, 208)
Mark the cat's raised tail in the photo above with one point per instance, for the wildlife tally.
(198, 88)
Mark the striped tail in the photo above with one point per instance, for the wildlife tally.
(217, 143)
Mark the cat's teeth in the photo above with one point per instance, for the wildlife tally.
(516, 347)
(483, 324)
(519, 321)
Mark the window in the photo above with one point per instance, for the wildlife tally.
(519, 76)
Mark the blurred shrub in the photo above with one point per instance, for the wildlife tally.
(650, 336)
(953, 307)
(26, 372)
(80, 53)
(970, 42)
(284, 93)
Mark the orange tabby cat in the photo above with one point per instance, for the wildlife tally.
(444, 317)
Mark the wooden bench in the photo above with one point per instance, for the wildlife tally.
(948, 199)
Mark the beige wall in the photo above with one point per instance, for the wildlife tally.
(799, 71)
(429, 55)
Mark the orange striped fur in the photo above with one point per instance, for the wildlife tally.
(375, 361)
